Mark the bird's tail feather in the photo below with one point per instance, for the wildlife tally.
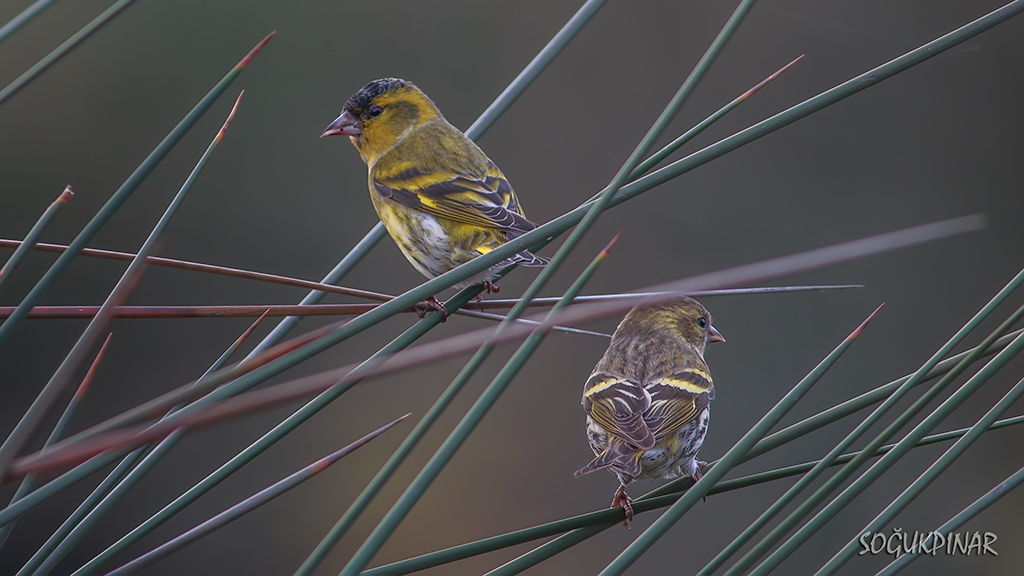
(621, 457)
(525, 258)
(603, 460)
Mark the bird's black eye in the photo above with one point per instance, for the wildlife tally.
(374, 111)
(702, 322)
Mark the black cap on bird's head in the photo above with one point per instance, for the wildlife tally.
(362, 99)
(360, 107)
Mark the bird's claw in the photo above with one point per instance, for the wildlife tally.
(621, 499)
(431, 304)
(698, 473)
(488, 289)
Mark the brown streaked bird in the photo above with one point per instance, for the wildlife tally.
(442, 200)
(648, 399)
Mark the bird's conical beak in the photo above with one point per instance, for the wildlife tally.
(715, 336)
(345, 125)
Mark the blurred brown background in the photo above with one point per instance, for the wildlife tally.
(939, 141)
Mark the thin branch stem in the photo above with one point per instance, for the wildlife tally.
(23, 18)
(60, 51)
(32, 238)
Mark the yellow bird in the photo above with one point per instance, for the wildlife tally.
(442, 200)
(648, 399)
